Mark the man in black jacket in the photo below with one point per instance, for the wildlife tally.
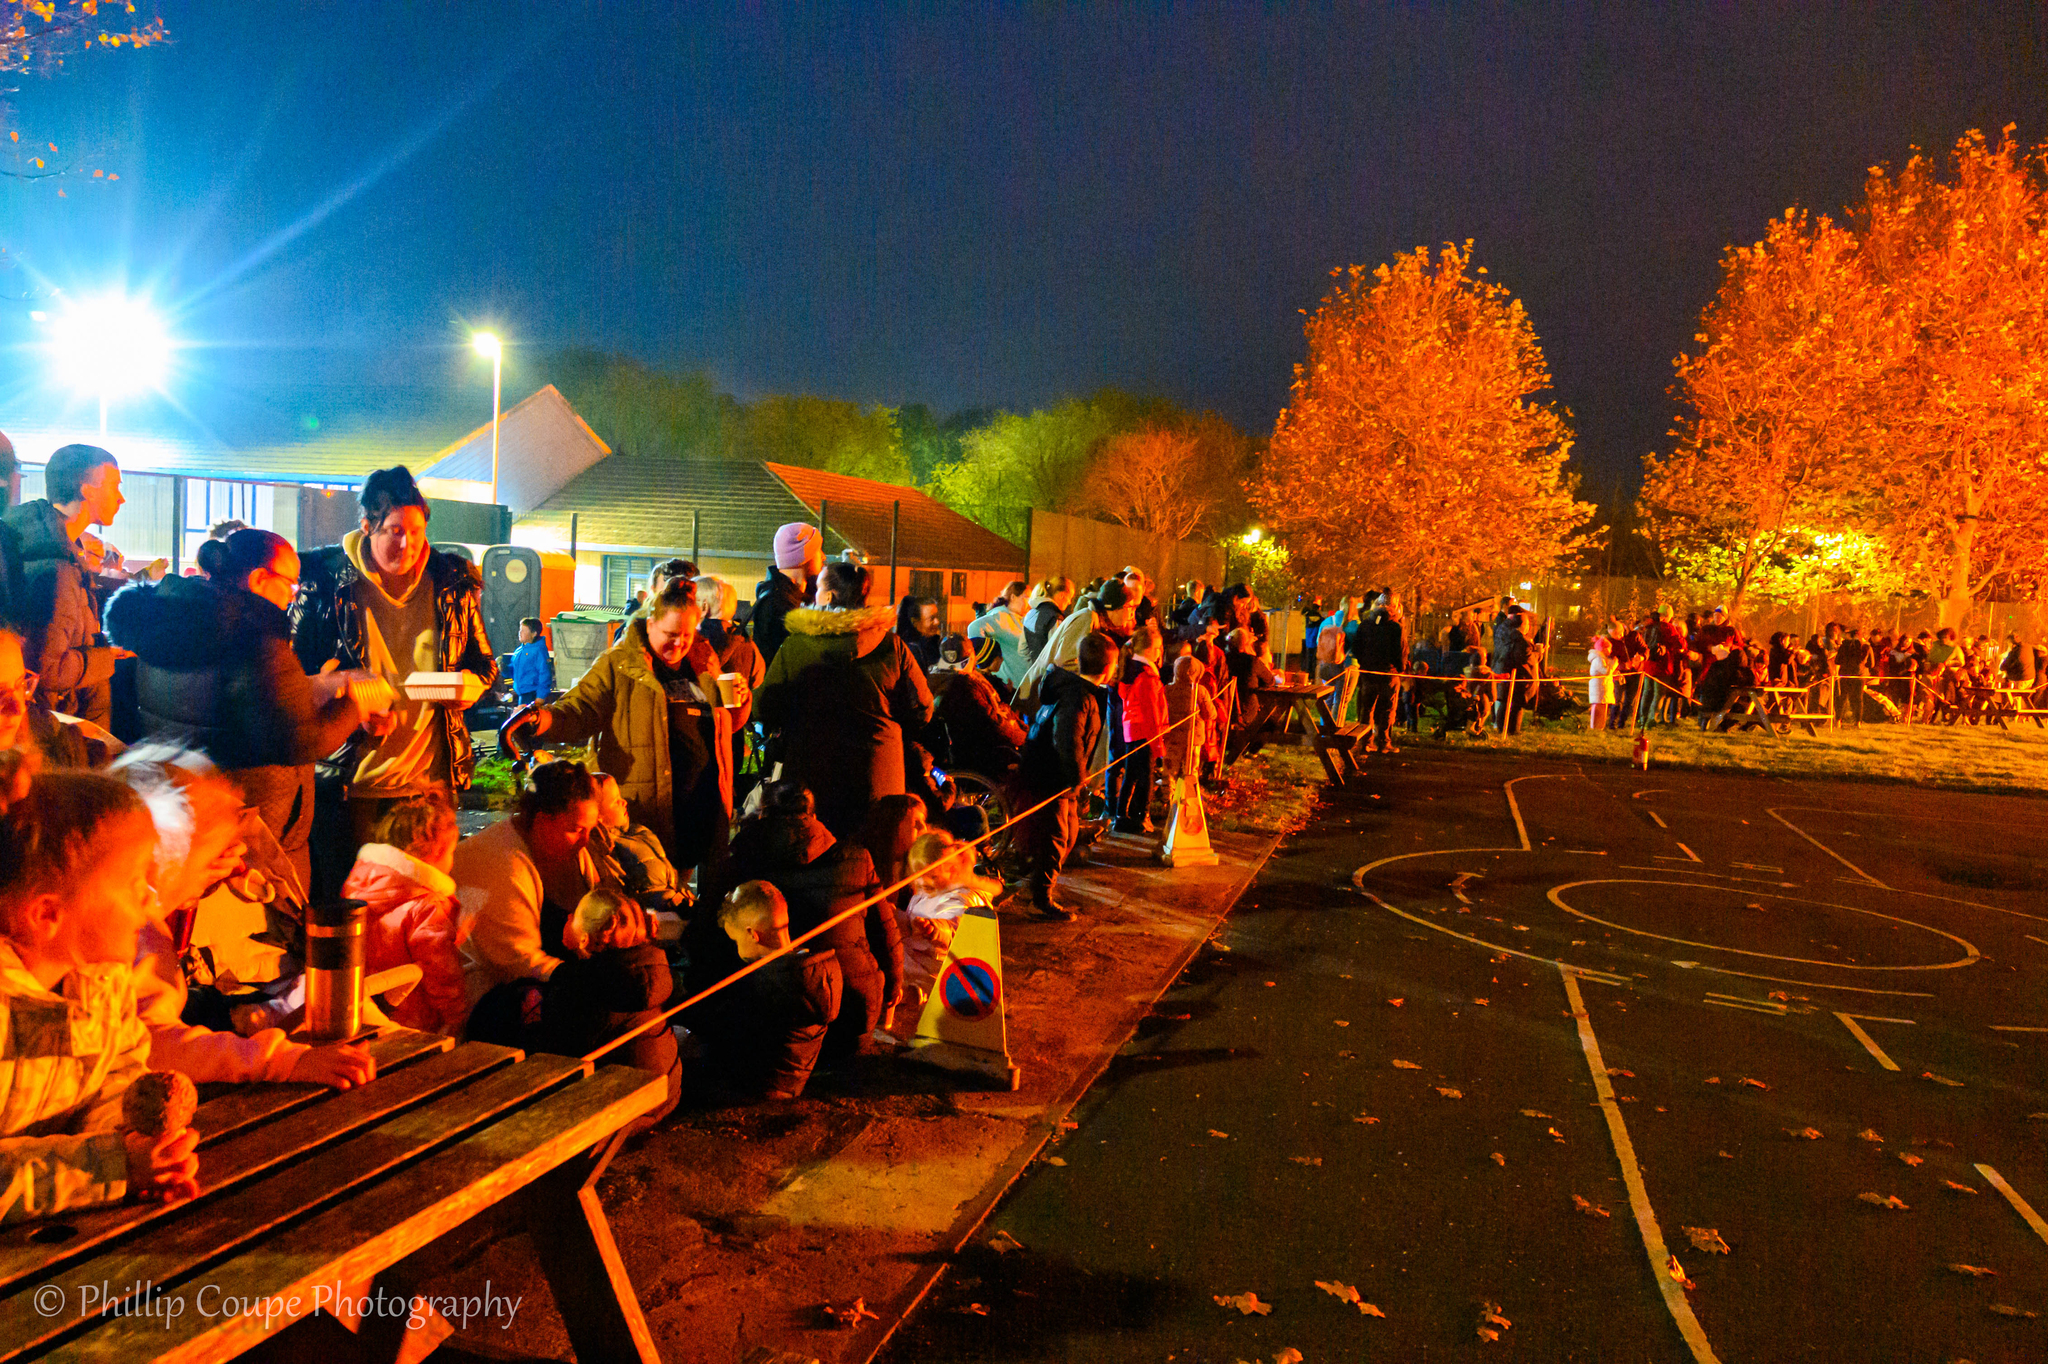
(10, 543)
(1057, 756)
(58, 609)
(1379, 644)
(799, 559)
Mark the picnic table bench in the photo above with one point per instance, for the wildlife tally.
(1783, 706)
(1272, 706)
(311, 1196)
(1995, 703)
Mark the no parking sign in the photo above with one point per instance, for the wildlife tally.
(971, 989)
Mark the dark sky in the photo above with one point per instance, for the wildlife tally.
(975, 207)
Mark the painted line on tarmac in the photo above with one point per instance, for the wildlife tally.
(2014, 1027)
(1659, 818)
(1869, 1043)
(1632, 1176)
(1867, 877)
(2031, 938)
(1717, 875)
(1757, 866)
(2019, 1205)
(1649, 791)
(1687, 851)
(1809, 984)
(1742, 1002)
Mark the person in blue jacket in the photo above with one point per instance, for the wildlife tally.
(533, 672)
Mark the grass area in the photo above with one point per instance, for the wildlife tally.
(1273, 791)
(494, 787)
(1961, 757)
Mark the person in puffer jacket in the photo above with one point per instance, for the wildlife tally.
(75, 860)
(404, 880)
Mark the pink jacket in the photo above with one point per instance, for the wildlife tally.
(412, 913)
(1144, 698)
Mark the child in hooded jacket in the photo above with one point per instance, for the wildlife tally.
(404, 878)
(1144, 719)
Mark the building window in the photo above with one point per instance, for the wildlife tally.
(927, 582)
(625, 574)
(959, 584)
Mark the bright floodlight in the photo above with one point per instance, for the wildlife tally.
(1253, 536)
(109, 346)
(486, 345)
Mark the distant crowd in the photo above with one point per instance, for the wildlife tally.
(297, 727)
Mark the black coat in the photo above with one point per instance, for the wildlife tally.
(1378, 643)
(982, 733)
(1038, 624)
(1065, 732)
(57, 608)
(215, 671)
(774, 599)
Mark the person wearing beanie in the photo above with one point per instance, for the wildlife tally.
(983, 732)
(799, 559)
(1109, 612)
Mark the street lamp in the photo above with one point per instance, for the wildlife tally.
(487, 344)
(109, 346)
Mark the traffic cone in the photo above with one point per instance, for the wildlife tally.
(962, 1024)
(1641, 754)
(1184, 838)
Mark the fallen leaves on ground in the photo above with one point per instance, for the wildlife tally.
(1479, 1001)
(1406, 1065)
(1341, 1022)
(851, 1315)
(1247, 1303)
(1713, 1079)
(1306, 1160)
(1002, 1243)
(1804, 1133)
(1974, 1271)
(1911, 1159)
(1536, 1113)
(1724, 1155)
(1498, 1159)
(2008, 1310)
(1706, 1238)
(1959, 1188)
(1055, 1160)
(1557, 1136)
(1753, 1084)
(1491, 1322)
(1397, 1003)
(1889, 1202)
(1219, 1135)
(1941, 1079)
(1677, 1273)
(1934, 1142)
(1344, 1292)
(1613, 1071)
(1590, 1209)
(1366, 1118)
(1450, 1093)
(1868, 1134)
(972, 1309)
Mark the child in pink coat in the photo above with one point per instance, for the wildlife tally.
(405, 881)
(1144, 715)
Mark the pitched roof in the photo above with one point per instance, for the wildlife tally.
(644, 503)
(332, 460)
(542, 446)
(929, 532)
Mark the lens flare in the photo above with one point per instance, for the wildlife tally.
(110, 345)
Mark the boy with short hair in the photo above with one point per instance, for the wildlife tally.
(1057, 756)
(75, 861)
(533, 672)
(765, 1030)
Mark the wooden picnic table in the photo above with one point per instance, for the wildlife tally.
(1781, 707)
(1996, 702)
(310, 1195)
(1310, 702)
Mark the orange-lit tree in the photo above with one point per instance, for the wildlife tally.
(1961, 474)
(1413, 452)
(1776, 393)
(1173, 478)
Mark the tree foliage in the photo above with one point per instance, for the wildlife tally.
(36, 36)
(825, 433)
(1182, 479)
(1017, 462)
(1413, 451)
(1886, 377)
(644, 411)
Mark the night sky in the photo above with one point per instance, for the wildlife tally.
(983, 207)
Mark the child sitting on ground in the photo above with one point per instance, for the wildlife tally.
(946, 887)
(404, 880)
(75, 859)
(764, 1031)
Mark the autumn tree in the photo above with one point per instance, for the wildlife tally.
(1180, 479)
(1961, 475)
(1041, 459)
(641, 410)
(1413, 450)
(1776, 391)
(825, 433)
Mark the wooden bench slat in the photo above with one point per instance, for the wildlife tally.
(386, 1223)
(22, 1256)
(244, 1104)
(179, 1245)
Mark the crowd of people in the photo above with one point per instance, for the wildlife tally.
(188, 761)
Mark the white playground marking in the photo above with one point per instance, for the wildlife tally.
(1632, 1176)
(1742, 1002)
(1826, 849)
(1556, 897)
(2019, 1205)
(1869, 1044)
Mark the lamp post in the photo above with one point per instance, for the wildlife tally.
(487, 344)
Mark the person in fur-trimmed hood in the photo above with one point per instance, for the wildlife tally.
(843, 692)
